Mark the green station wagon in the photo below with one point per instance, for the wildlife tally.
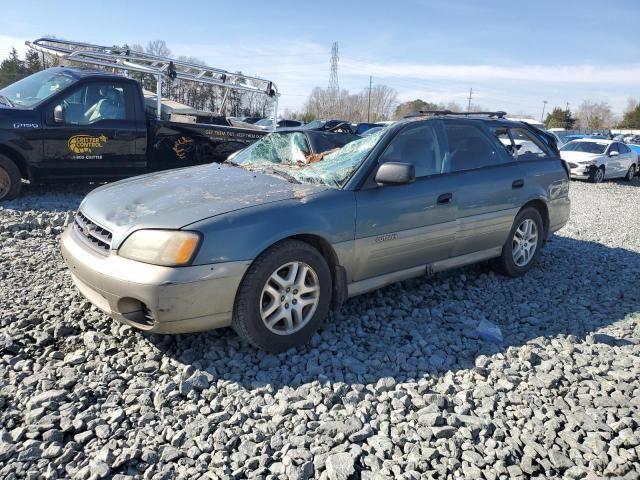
(272, 239)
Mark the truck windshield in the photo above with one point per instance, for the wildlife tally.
(288, 155)
(36, 88)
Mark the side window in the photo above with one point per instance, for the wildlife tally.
(94, 102)
(527, 145)
(503, 135)
(614, 148)
(623, 148)
(416, 144)
(469, 148)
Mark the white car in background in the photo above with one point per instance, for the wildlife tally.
(597, 160)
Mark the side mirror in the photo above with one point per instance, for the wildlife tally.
(395, 173)
(614, 154)
(58, 114)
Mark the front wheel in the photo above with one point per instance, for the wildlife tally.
(630, 173)
(598, 175)
(522, 248)
(284, 297)
(10, 179)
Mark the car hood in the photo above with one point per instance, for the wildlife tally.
(571, 156)
(177, 198)
(14, 118)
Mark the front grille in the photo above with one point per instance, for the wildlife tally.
(92, 234)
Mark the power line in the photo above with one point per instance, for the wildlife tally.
(369, 107)
(333, 78)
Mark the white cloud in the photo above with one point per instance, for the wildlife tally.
(531, 73)
(7, 43)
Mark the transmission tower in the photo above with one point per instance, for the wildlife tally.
(333, 78)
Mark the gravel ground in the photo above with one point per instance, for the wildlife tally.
(397, 385)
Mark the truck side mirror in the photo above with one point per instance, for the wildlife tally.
(58, 114)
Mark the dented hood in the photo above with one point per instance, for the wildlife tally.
(176, 198)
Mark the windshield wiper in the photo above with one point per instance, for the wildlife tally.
(287, 176)
(6, 101)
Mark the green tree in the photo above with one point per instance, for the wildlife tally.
(11, 69)
(32, 63)
(559, 118)
(631, 118)
(414, 106)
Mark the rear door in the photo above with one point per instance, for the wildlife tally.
(489, 184)
(98, 137)
(404, 226)
(627, 158)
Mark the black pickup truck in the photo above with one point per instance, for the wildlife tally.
(69, 124)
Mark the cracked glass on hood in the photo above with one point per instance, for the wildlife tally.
(287, 154)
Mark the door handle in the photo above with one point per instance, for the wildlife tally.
(445, 198)
(517, 183)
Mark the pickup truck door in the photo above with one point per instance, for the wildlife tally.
(405, 226)
(102, 136)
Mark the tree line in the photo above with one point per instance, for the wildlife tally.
(380, 102)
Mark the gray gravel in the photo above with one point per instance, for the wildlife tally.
(397, 384)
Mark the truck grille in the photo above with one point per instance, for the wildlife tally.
(92, 234)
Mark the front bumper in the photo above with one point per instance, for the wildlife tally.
(581, 172)
(154, 298)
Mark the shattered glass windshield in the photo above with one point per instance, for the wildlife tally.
(288, 155)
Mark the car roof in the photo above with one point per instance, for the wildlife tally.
(321, 140)
(595, 140)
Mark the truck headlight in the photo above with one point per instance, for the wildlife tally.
(170, 248)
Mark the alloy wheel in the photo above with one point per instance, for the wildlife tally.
(631, 173)
(525, 242)
(289, 298)
(598, 177)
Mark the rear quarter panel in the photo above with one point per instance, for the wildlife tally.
(547, 180)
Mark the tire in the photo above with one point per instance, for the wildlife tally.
(290, 326)
(511, 264)
(630, 173)
(10, 179)
(597, 176)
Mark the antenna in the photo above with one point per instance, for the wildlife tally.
(333, 78)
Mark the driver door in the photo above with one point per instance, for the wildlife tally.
(97, 138)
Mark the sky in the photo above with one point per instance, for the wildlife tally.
(515, 55)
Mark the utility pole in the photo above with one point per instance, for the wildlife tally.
(469, 104)
(544, 104)
(566, 117)
(369, 108)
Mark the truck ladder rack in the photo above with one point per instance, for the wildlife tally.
(162, 68)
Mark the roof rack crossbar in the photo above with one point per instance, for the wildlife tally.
(162, 68)
(422, 113)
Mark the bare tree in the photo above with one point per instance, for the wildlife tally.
(159, 48)
(342, 105)
(596, 116)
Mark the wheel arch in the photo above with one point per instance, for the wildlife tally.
(16, 158)
(324, 247)
(542, 208)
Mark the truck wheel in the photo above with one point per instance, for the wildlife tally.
(284, 297)
(10, 179)
(522, 248)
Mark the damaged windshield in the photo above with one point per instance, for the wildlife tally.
(288, 155)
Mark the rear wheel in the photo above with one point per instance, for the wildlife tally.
(284, 297)
(630, 173)
(10, 179)
(598, 175)
(522, 248)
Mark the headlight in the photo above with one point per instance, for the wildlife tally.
(170, 248)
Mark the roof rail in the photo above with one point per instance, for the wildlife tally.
(422, 113)
(163, 68)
